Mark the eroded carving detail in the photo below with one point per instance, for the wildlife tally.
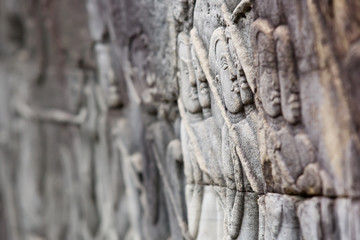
(206, 119)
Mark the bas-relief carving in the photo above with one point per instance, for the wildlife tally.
(208, 130)
(210, 133)
(255, 131)
(176, 179)
(282, 142)
(230, 82)
(106, 75)
(202, 127)
(243, 144)
(207, 17)
(288, 148)
(131, 166)
(328, 218)
(158, 135)
(278, 219)
(225, 76)
(238, 142)
(189, 98)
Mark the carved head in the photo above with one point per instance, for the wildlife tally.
(265, 60)
(224, 70)
(107, 76)
(245, 91)
(290, 99)
(188, 89)
(201, 81)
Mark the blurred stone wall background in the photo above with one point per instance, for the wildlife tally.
(96, 141)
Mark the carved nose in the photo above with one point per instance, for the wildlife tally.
(202, 77)
(232, 73)
(275, 83)
(233, 76)
(192, 79)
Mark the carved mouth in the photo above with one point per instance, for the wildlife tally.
(244, 85)
(204, 88)
(294, 101)
(193, 94)
(275, 97)
(235, 88)
(293, 98)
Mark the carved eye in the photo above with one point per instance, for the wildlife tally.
(223, 63)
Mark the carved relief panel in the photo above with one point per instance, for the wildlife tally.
(249, 66)
(183, 119)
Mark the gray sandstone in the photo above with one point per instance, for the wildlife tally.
(179, 119)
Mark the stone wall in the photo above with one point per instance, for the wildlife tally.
(179, 119)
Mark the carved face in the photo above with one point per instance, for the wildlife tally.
(201, 82)
(188, 89)
(226, 74)
(268, 83)
(245, 91)
(107, 76)
(290, 99)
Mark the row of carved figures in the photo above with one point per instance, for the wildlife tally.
(247, 160)
(242, 144)
(241, 132)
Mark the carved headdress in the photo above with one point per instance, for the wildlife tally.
(264, 27)
(183, 38)
(218, 35)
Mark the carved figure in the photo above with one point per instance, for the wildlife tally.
(157, 136)
(209, 135)
(211, 140)
(237, 151)
(176, 198)
(328, 218)
(289, 86)
(244, 132)
(107, 76)
(283, 142)
(246, 94)
(202, 85)
(280, 217)
(132, 168)
(245, 91)
(190, 100)
(288, 149)
(265, 62)
(225, 76)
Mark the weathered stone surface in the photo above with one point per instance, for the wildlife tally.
(179, 119)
